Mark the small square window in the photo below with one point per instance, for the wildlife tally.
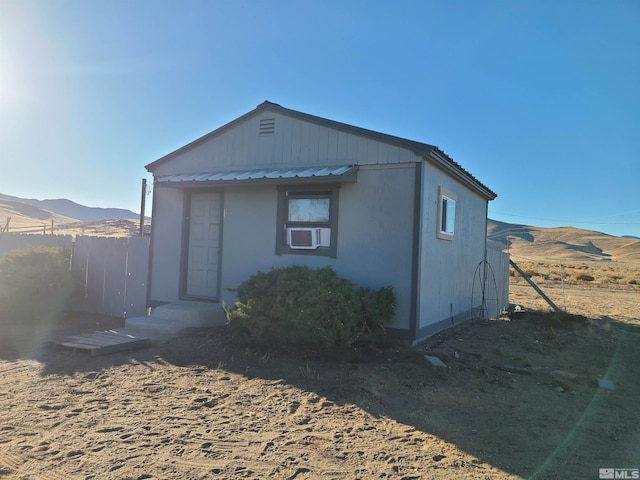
(446, 214)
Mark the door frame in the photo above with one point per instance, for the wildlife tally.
(184, 260)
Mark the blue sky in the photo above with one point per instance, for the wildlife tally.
(540, 100)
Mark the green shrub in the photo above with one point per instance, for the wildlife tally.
(378, 308)
(298, 306)
(35, 285)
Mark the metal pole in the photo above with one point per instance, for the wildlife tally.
(535, 287)
(564, 297)
(142, 205)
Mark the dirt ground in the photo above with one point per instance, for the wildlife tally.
(517, 399)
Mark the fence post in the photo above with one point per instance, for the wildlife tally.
(534, 286)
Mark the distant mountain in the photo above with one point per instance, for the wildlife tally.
(563, 243)
(525, 242)
(73, 210)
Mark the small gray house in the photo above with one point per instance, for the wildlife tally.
(277, 187)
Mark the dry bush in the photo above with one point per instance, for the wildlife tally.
(597, 272)
(35, 285)
(585, 277)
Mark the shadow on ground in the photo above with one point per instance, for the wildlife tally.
(520, 395)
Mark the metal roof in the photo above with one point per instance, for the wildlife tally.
(344, 173)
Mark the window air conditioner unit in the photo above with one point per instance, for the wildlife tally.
(304, 238)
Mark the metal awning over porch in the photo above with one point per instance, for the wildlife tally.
(340, 174)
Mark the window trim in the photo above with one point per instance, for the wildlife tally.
(444, 196)
(282, 222)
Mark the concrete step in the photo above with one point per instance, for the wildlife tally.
(169, 320)
(194, 313)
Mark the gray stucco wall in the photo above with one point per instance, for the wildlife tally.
(166, 244)
(376, 218)
(376, 232)
(447, 267)
(374, 236)
(375, 241)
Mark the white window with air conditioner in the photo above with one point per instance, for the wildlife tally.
(307, 220)
(306, 238)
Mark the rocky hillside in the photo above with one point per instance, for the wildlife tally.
(563, 243)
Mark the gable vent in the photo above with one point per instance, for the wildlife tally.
(267, 126)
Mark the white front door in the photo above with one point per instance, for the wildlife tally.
(204, 245)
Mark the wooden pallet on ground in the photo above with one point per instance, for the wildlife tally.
(102, 343)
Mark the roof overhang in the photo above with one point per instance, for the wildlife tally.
(341, 174)
(441, 160)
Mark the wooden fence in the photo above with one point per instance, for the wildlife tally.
(112, 272)
(14, 241)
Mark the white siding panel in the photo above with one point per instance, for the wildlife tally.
(323, 146)
(267, 144)
(332, 145)
(372, 151)
(285, 128)
(387, 154)
(308, 151)
(278, 148)
(352, 149)
(363, 151)
(343, 141)
(383, 155)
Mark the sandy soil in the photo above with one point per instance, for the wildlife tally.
(517, 399)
